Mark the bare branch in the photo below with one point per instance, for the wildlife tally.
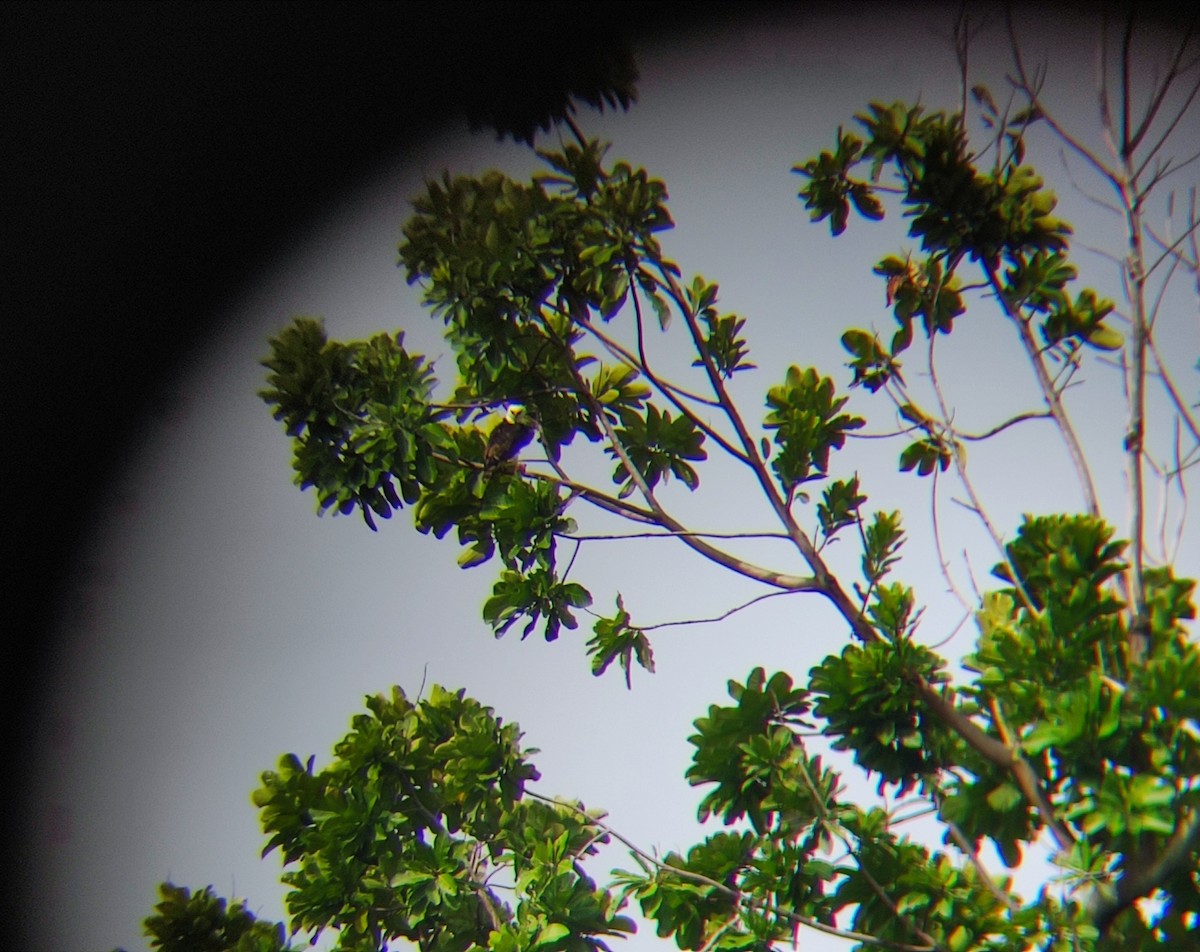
(694, 540)
(1172, 250)
(1049, 393)
(1028, 87)
(943, 562)
(1161, 371)
(835, 829)
(826, 582)
(1160, 94)
(715, 618)
(661, 517)
(1126, 87)
(972, 854)
(1001, 427)
(997, 753)
(1166, 170)
(664, 534)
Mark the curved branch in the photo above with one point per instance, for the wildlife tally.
(972, 854)
(1001, 427)
(998, 753)
(943, 562)
(694, 540)
(713, 620)
(1181, 408)
(1160, 95)
(1027, 87)
(618, 536)
(834, 829)
(1172, 250)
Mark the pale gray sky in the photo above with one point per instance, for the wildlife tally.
(218, 623)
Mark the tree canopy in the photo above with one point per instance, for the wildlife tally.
(1071, 722)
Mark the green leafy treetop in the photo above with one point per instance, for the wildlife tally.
(1074, 722)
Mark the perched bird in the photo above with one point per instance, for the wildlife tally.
(508, 437)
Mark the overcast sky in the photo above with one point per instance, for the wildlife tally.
(217, 623)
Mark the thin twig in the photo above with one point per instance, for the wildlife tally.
(672, 392)
(716, 618)
(1029, 88)
(667, 534)
(836, 830)
(1001, 427)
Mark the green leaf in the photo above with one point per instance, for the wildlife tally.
(616, 640)
(658, 445)
(925, 456)
(1103, 337)
(839, 505)
(551, 933)
(1004, 798)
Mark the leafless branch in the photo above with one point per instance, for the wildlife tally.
(715, 618)
(665, 534)
(943, 562)
(1049, 393)
(1001, 427)
(836, 830)
(1159, 95)
(1029, 87)
(972, 854)
(826, 582)
(660, 516)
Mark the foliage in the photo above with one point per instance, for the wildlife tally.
(201, 922)
(405, 834)
(1072, 721)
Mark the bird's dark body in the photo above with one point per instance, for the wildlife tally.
(507, 439)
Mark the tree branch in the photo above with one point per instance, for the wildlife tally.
(739, 898)
(997, 753)
(716, 618)
(666, 534)
(776, 579)
(1160, 94)
(1134, 884)
(1001, 427)
(1049, 393)
(668, 390)
(825, 581)
(1023, 83)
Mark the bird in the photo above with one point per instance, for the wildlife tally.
(508, 437)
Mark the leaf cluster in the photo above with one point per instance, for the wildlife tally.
(202, 922)
(363, 435)
(1000, 217)
(415, 826)
(804, 415)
